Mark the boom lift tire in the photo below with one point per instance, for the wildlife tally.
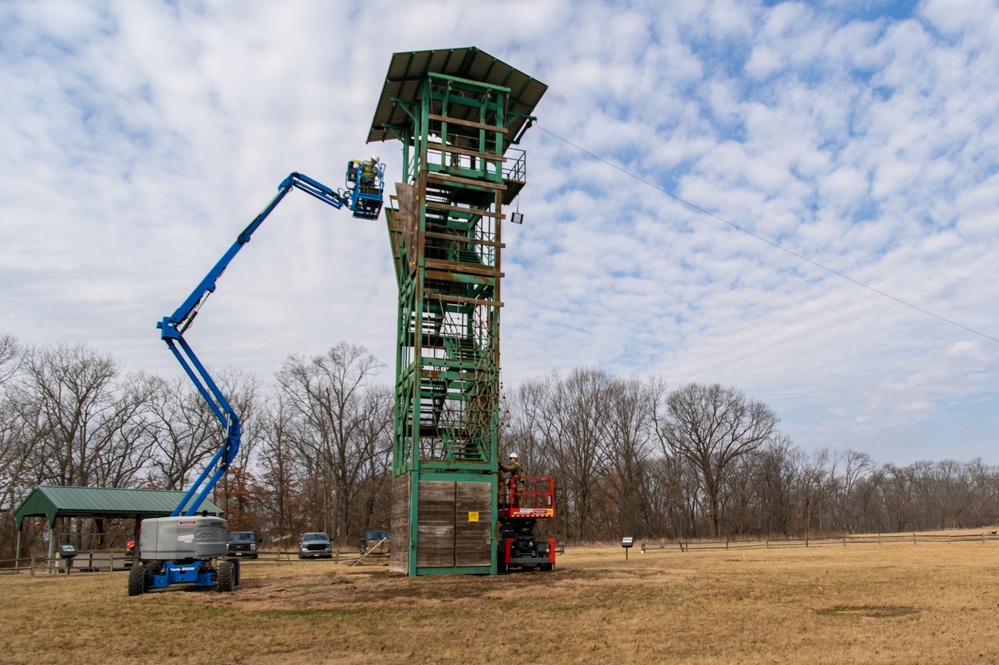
(137, 580)
(226, 577)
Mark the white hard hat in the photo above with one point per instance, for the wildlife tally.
(374, 158)
(513, 455)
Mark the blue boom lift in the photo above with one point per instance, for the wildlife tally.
(188, 547)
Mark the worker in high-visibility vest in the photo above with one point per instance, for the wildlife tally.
(369, 170)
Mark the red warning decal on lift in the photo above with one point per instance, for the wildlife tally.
(187, 522)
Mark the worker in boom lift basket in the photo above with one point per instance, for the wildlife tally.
(369, 170)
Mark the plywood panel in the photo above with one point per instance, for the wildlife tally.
(399, 556)
(409, 223)
(435, 524)
(473, 537)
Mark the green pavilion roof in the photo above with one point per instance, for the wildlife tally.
(54, 501)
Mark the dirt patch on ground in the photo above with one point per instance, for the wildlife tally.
(871, 611)
(340, 590)
(364, 589)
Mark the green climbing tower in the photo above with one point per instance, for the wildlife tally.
(457, 112)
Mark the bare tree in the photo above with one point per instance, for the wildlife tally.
(74, 390)
(15, 444)
(19, 440)
(739, 499)
(899, 496)
(810, 489)
(74, 420)
(124, 435)
(185, 432)
(985, 489)
(372, 509)
(280, 471)
(343, 423)
(573, 417)
(10, 358)
(674, 491)
(778, 474)
(848, 469)
(868, 491)
(627, 449)
(525, 415)
(237, 493)
(712, 427)
(949, 496)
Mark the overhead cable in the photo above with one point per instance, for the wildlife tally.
(798, 256)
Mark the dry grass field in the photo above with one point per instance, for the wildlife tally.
(891, 603)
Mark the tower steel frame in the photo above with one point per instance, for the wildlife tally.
(445, 230)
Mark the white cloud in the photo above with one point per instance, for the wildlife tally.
(140, 138)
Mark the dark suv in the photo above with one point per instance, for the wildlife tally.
(376, 542)
(242, 544)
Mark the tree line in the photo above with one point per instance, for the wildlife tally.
(629, 457)
(315, 453)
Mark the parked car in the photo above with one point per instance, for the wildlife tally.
(380, 540)
(242, 544)
(315, 544)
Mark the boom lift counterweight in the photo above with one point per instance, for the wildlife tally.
(183, 548)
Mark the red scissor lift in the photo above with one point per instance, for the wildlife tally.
(521, 504)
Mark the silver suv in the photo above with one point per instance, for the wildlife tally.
(315, 544)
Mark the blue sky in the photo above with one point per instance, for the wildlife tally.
(140, 138)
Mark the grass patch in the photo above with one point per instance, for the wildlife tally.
(891, 603)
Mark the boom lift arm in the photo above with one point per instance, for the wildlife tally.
(364, 199)
(184, 549)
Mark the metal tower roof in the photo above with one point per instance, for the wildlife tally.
(407, 70)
